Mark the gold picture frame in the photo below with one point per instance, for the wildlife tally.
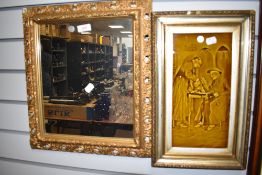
(203, 63)
(140, 12)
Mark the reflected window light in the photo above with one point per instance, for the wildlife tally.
(71, 29)
(89, 88)
(116, 27)
(84, 28)
(211, 40)
(125, 32)
(200, 39)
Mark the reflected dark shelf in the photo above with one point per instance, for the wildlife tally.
(61, 66)
(100, 70)
(58, 81)
(86, 57)
(54, 60)
(59, 38)
(92, 62)
(58, 50)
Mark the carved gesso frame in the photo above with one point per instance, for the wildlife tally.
(140, 11)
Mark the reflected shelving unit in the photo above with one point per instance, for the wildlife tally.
(88, 63)
(54, 66)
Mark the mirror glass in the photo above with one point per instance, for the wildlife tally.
(87, 77)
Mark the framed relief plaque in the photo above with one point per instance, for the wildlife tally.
(202, 88)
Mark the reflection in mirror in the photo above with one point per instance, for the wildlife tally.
(87, 77)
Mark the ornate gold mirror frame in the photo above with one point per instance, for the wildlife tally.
(140, 12)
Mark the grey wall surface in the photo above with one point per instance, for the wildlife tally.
(16, 156)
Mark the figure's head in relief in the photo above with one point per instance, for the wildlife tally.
(214, 73)
(197, 62)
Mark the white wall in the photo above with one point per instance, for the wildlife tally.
(16, 156)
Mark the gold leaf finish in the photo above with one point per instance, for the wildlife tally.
(140, 10)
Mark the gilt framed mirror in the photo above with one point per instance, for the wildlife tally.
(88, 77)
